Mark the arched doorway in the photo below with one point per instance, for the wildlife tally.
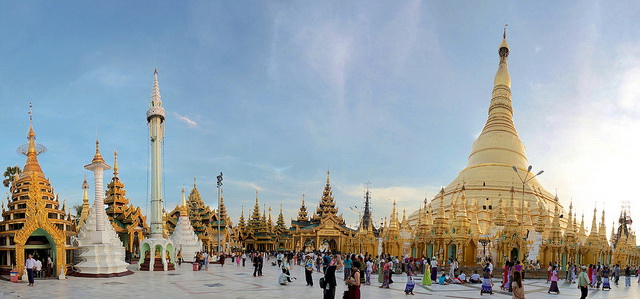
(41, 245)
(452, 252)
(514, 254)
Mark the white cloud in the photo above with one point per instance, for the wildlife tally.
(191, 123)
(592, 153)
(249, 185)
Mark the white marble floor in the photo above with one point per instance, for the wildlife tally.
(238, 283)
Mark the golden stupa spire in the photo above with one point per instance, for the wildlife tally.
(32, 166)
(115, 164)
(97, 157)
(499, 141)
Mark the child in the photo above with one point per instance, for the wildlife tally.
(284, 277)
(443, 280)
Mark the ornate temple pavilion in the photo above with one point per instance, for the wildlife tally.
(261, 234)
(34, 221)
(325, 229)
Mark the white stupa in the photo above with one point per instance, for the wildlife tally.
(99, 248)
(183, 237)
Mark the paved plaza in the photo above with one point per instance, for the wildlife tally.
(238, 283)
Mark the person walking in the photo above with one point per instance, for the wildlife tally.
(487, 285)
(308, 270)
(408, 289)
(31, 266)
(385, 278)
(516, 286)
(205, 258)
(627, 277)
(554, 281)
(255, 265)
(368, 271)
(244, 258)
(260, 264)
(605, 278)
(347, 267)
(329, 291)
(583, 282)
(353, 282)
(426, 278)
(434, 269)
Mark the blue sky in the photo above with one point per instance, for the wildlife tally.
(275, 93)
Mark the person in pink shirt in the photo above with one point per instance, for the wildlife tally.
(554, 281)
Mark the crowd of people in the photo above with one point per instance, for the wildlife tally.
(358, 269)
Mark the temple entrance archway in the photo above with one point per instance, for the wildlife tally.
(41, 245)
(514, 254)
(452, 252)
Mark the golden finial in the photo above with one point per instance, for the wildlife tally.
(115, 162)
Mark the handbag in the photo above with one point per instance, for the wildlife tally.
(322, 283)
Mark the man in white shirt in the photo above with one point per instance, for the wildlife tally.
(284, 278)
(279, 257)
(38, 271)
(462, 277)
(475, 277)
(30, 265)
(434, 269)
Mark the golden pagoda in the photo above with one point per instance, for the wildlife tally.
(494, 153)
(470, 219)
(392, 240)
(35, 223)
(326, 230)
(127, 219)
(259, 233)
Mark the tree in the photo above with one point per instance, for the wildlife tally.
(78, 210)
(10, 175)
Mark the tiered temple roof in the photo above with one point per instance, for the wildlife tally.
(127, 219)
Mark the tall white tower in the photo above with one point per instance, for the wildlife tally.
(156, 261)
(155, 118)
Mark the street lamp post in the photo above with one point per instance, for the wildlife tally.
(219, 177)
(484, 241)
(355, 209)
(524, 180)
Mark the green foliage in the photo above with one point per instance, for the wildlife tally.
(10, 174)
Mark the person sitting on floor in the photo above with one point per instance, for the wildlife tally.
(475, 277)
(443, 280)
(284, 277)
(462, 276)
(457, 280)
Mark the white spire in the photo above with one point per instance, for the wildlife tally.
(155, 107)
